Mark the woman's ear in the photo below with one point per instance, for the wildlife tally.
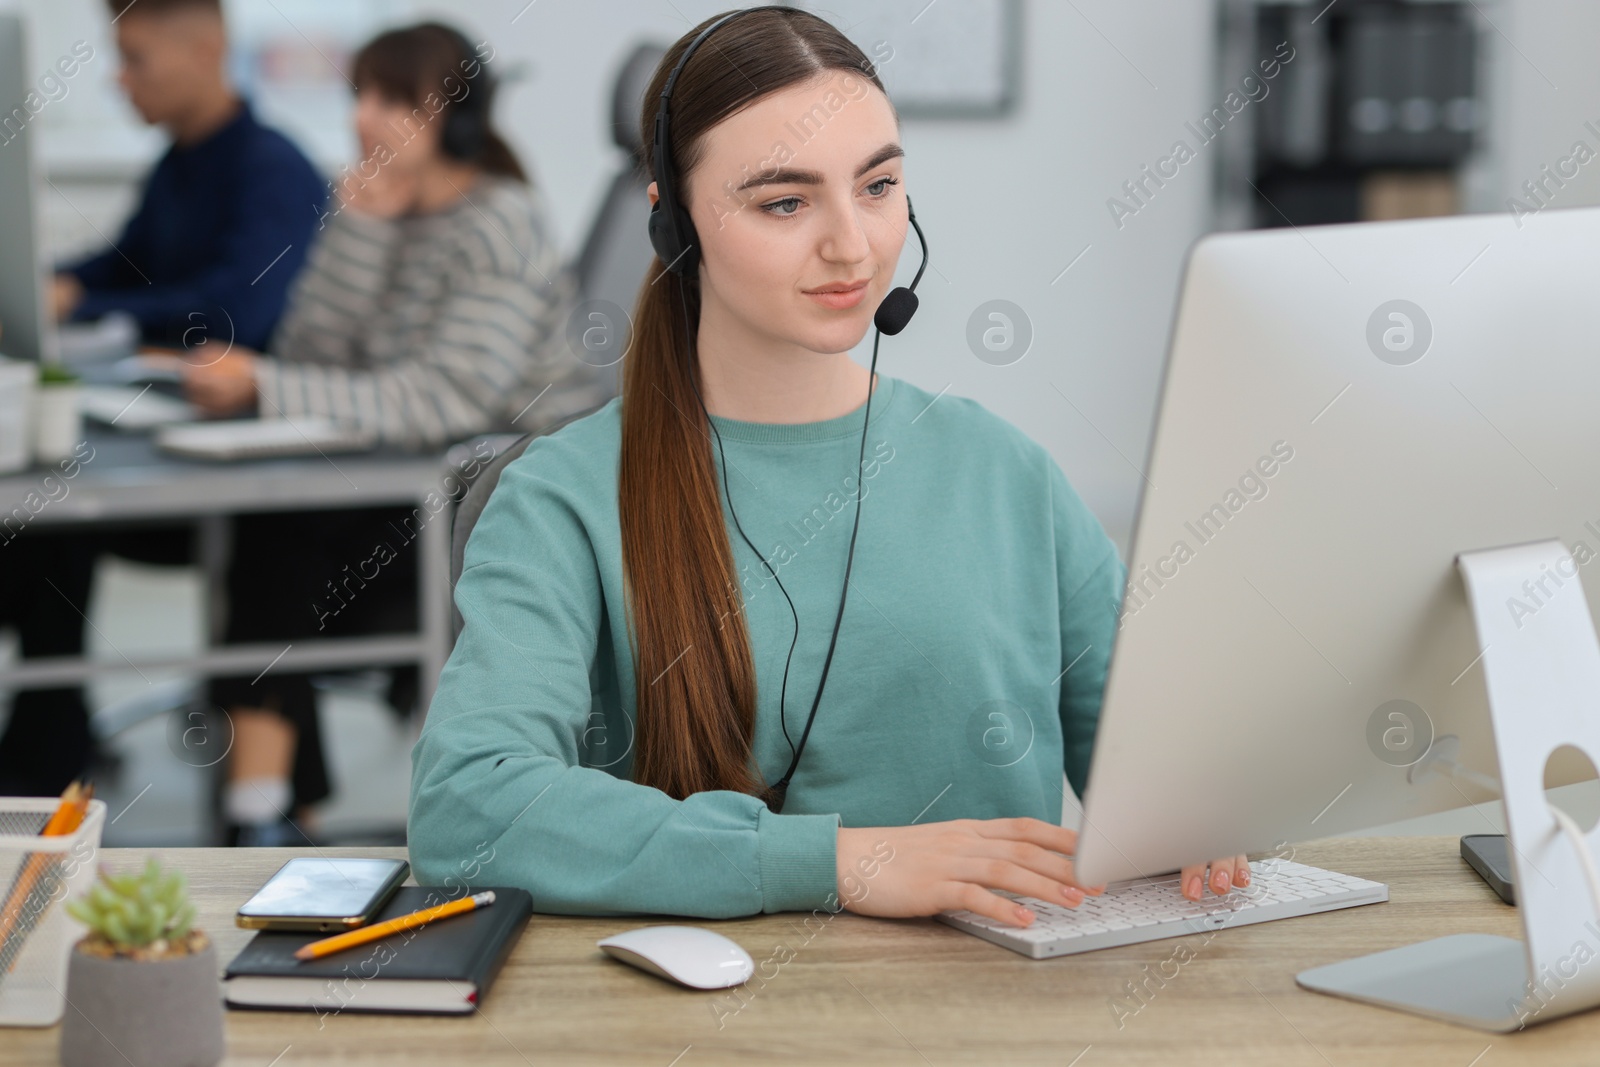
(651, 192)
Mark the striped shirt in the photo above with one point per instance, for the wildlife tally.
(433, 328)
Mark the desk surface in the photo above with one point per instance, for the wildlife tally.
(127, 477)
(870, 991)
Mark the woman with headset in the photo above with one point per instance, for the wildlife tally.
(432, 309)
(758, 513)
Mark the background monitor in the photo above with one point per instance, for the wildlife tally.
(25, 329)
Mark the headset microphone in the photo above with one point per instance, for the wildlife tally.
(901, 303)
(673, 237)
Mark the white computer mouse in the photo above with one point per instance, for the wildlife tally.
(687, 955)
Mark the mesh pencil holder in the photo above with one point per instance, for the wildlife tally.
(38, 876)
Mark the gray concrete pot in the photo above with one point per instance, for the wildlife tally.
(148, 1013)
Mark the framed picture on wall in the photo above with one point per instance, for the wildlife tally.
(937, 58)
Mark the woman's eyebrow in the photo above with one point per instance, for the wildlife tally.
(810, 177)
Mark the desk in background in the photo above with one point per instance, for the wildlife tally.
(911, 991)
(128, 481)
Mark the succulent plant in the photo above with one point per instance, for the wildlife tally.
(55, 374)
(132, 910)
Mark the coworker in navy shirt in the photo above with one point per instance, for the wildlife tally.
(228, 212)
(222, 229)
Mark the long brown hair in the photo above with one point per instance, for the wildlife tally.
(695, 675)
(412, 63)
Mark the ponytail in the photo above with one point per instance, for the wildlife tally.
(695, 674)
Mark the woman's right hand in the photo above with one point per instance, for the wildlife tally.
(904, 871)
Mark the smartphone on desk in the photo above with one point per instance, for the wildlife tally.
(1487, 854)
(321, 894)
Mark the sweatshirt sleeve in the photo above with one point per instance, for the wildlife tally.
(1092, 577)
(335, 299)
(499, 792)
(112, 267)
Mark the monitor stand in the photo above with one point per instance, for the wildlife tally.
(1541, 663)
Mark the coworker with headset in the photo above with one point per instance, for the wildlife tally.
(612, 730)
(432, 309)
(434, 300)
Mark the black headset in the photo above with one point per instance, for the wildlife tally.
(673, 236)
(465, 132)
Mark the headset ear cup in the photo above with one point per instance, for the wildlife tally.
(465, 131)
(466, 128)
(661, 235)
(677, 259)
(454, 137)
(475, 132)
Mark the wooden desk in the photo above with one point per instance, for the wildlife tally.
(873, 991)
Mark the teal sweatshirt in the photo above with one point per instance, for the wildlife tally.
(968, 673)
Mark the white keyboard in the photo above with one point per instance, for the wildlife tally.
(129, 407)
(231, 439)
(1149, 909)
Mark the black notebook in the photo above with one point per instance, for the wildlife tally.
(444, 967)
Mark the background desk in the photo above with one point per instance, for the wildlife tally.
(128, 480)
(871, 991)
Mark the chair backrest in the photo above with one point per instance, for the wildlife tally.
(476, 499)
(617, 252)
(610, 267)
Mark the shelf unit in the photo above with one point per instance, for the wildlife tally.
(1385, 109)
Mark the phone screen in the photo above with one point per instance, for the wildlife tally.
(335, 888)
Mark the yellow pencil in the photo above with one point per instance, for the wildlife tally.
(340, 942)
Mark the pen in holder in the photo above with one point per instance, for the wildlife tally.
(38, 875)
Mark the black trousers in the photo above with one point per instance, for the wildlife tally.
(44, 592)
(299, 575)
(293, 575)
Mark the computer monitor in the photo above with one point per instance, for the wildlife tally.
(1344, 410)
(26, 328)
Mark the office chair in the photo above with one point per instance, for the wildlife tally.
(476, 499)
(611, 266)
(617, 252)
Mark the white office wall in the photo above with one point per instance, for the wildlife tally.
(1549, 88)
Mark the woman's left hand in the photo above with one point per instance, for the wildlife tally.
(1225, 874)
(220, 382)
